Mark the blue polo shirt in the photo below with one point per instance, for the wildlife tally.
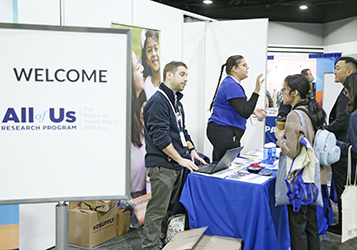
(223, 112)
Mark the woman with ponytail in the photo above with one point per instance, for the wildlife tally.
(296, 92)
(230, 107)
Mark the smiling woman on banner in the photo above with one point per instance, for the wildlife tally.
(230, 107)
(151, 61)
(296, 91)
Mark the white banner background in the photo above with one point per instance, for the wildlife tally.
(89, 157)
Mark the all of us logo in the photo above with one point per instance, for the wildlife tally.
(26, 118)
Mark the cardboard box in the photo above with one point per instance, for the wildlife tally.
(100, 206)
(123, 222)
(90, 228)
(73, 204)
(9, 236)
(195, 240)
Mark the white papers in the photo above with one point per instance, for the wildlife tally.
(220, 174)
(248, 177)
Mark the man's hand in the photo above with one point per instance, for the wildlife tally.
(187, 164)
(195, 156)
(171, 152)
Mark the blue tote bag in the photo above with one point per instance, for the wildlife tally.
(296, 192)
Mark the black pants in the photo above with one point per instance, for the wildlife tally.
(339, 173)
(304, 232)
(223, 138)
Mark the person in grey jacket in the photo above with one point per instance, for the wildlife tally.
(303, 226)
(167, 141)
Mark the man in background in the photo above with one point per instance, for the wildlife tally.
(307, 73)
(338, 124)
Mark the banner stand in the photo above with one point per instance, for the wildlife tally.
(61, 226)
(58, 119)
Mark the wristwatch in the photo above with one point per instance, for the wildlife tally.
(190, 150)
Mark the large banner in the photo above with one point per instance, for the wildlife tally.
(63, 113)
(281, 65)
(146, 80)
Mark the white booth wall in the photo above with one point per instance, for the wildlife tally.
(295, 34)
(341, 36)
(337, 36)
(207, 46)
(194, 37)
(37, 221)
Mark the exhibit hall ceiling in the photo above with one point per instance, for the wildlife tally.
(318, 11)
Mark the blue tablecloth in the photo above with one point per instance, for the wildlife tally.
(237, 209)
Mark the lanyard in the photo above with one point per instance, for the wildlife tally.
(177, 120)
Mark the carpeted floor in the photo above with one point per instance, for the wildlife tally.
(132, 240)
(129, 241)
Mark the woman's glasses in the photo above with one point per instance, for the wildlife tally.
(245, 65)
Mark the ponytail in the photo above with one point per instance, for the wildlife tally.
(319, 119)
(215, 93)
(230, 63)
(319, 115)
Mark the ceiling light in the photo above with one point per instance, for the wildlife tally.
(303, 7)
(207, 1)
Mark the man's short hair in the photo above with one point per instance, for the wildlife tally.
(172, 67)
(352, 62)
(304, 72)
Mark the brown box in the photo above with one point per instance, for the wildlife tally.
(73, 204)
(100, 206)
(90, 228)
(9, 236)
(195, 240)
(123, 222)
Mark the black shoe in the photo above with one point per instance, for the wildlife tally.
(335, 229)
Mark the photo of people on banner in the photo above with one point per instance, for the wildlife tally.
(146, 80)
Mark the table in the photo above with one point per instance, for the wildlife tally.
(237, 209)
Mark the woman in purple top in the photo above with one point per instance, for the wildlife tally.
(230, 107)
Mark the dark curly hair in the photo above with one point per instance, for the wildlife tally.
(155, 35)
